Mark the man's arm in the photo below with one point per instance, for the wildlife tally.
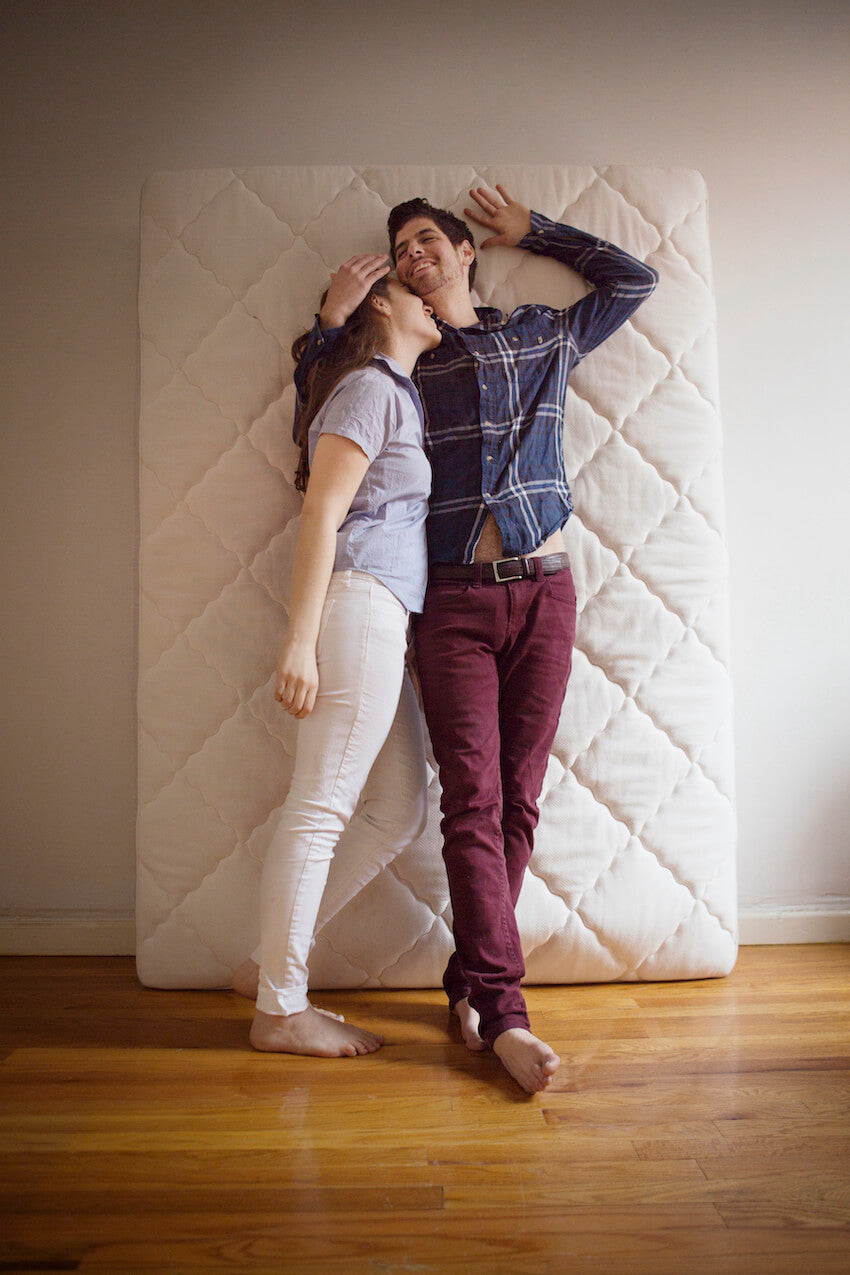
(621, 282)
(349, 285)
(319, 338)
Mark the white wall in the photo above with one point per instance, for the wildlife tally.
(98, 95)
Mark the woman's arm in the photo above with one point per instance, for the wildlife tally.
(339, 467)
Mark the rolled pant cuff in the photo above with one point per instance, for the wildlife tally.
(503, 1024)
(282, 1003)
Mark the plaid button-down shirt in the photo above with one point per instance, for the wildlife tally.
(494, 394)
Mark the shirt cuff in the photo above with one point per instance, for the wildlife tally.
(321, 332)
(539, 226)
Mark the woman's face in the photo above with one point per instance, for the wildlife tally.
(411, 317)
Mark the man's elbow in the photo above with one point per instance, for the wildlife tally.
(651, 277)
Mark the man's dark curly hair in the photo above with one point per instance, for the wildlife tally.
(455, 230)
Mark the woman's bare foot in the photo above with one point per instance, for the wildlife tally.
(530, 1061)
(311, 1032)
(469, 1021)
(246, 981)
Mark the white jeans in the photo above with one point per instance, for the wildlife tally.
(364, 736)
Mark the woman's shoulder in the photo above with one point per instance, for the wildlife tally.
(365, 386)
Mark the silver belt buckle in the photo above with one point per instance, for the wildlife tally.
(500, 579)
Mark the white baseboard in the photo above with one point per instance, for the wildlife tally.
(87, 935)
(64, 935)
(826, 924)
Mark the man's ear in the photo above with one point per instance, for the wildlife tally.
(467, 252)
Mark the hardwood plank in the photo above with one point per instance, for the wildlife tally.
(183, 1258)
(824, 1022)
(819, 1213)
(750, 1137)
(250, 1199)
(702, 1098)
(741, 1133)
(225, 1170)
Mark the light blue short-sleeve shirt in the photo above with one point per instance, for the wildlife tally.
(383, 533)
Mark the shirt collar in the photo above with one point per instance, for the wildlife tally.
(398, 374)
(488, 318)
(396, 371)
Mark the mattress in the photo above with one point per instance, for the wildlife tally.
(633, 873)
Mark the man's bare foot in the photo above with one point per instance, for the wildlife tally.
(530, 1061)
(469, 1020)
(311, 1032)
(246, 981)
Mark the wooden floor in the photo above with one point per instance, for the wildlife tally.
(695, 1127)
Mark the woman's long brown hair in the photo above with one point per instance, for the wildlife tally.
(362, 336)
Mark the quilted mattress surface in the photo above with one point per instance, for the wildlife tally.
(633, 875)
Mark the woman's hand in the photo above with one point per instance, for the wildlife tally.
(297, 679)
(350, 284)
(510, 220)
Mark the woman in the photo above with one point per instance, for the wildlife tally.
(360, 568)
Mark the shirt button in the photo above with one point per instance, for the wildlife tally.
(483, 385)
(540, 340)
(490, 458)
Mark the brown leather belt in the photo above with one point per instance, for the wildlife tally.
(502, 571)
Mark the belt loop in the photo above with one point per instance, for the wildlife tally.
(476, 575)
(538, 568)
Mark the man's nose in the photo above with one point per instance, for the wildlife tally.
(414, 250)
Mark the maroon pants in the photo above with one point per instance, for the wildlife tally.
(493, 662)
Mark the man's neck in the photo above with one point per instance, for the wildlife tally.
(453, 305)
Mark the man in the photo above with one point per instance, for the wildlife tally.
(494, 641)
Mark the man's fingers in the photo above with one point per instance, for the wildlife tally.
(488, 201)
(365, 258)
(507, 198)
(375, 267)
(485, 200)
(366, 264)
(477, 218)
(361, 271)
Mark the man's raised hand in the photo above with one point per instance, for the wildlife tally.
(350, 284)
(510, 220)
